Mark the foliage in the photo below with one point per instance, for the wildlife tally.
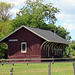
(4, 10)
(4, 30)
(4, 26)
(36, 14)
(61, 31)
(39, 10)
(3, 50)
(70, 51)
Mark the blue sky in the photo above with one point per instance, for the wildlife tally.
(66, 16)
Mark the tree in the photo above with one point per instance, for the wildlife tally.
(46, 11)
(34, 14)
(4, 30)
(70, 50)
(4, 26)
(4, 10)
(3, 50)
(61, 31)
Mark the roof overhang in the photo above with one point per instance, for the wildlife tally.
(32, 32)
(19, 29)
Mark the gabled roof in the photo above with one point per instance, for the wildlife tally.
(45, 34)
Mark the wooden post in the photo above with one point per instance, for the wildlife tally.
(2, 62)
(11, 71)
(74, 68)
(49, 69)
(13, 62)
(52, 60)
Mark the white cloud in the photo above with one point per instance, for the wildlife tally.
(67, 13)
(63, 4)
(14, 11)
(70, 21)
(66, 17)
(69, 26)
(68, 2)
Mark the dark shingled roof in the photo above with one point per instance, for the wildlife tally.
(50, 36)
(45, 34)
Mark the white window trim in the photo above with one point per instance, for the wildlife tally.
(25, 47)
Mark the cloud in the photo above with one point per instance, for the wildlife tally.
(69, 26)
(64, 5)
(14, 11)
(62, 16)
(68, 2)
(67, 13)
(72, 21)
(67, 21)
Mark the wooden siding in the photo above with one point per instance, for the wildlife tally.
(33, 45)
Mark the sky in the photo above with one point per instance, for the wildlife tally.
(65, 18)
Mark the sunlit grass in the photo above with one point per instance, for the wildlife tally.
(37, 69)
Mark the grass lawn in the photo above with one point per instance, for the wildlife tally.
(37, 69)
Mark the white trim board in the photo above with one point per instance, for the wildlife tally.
(12, 40)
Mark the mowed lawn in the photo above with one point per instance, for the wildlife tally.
(37, 69)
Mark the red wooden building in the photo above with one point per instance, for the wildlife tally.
(28, 42)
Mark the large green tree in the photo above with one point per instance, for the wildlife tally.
(4, 26)
(34, 14)
(39, 15)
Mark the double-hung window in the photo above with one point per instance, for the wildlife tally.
(23, 47)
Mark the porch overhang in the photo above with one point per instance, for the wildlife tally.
(47, 44)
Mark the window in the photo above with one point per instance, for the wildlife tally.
(23, 47)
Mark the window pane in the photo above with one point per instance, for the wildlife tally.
(23, 47)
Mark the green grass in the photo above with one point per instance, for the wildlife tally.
(37, 69)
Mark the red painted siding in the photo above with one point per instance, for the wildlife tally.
(33, 45)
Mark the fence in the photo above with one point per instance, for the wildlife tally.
(45, 60)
